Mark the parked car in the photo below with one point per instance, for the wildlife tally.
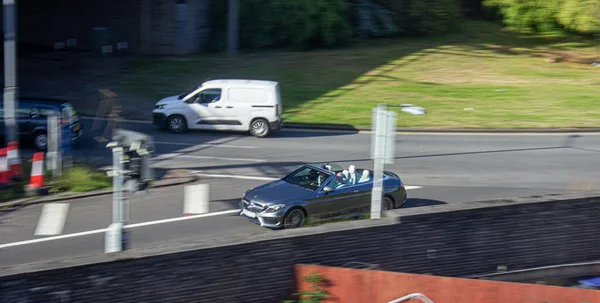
(235, 105)
(323, 192)
(32, 119)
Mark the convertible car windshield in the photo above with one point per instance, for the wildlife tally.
(307, 177)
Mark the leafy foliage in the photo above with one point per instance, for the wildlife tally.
(581, 16)
(319, 292)
(425, 17)
(301, 24)
(372, 19)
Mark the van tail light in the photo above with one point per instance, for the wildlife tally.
(277, 110)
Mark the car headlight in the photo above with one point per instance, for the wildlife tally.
(274, 208)
(159, 106)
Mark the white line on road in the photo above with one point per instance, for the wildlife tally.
(52, 220)
(205, 145)
(200, 174)
(234, 176)
(177, 155)
(98, 231)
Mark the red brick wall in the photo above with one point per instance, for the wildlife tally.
(355, 285)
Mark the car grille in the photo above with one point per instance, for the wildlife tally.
(253, 206)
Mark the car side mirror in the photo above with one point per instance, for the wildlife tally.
(328, 189)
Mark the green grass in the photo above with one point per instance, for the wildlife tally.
(504, 76)
(80, 179)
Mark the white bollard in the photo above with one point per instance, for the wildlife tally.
(113, 238)
(196, 199)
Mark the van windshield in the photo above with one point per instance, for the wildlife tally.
(191, 90)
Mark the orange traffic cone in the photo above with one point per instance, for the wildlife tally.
(14, 161)
(4, 169)
(37, 171)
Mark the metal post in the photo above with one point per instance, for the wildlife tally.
(10, 70)
(114, 233)
(378, 161)
(233, 26)
(54, 154)
(117, 183)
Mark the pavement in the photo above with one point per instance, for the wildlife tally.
(438, 168)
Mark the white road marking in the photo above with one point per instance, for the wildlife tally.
(98, 231)
(234, 176)
(407, 187)
(205, 145)
(177, 155)
(52, 220)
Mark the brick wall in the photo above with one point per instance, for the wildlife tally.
(451, 240)
(359, 286)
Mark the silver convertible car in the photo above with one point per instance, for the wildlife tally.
(321, 192)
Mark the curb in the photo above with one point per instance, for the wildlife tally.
(443, 130)
(308, 126)
(25, 202)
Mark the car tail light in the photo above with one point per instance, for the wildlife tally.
(401, 185)
(277, 110)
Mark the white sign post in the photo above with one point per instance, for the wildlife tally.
(54, 140)
(115, 236)
(382, 151)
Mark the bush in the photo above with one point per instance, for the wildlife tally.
(528, 15)
(421, 17)
(301, 24)
(582, 16)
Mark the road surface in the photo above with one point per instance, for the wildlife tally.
(442, 168)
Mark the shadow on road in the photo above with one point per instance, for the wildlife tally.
(419, 202)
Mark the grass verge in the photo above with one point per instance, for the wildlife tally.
(482, 77)
(80, 179)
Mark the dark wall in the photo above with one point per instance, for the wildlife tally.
(45, 22)
(162, 27)
(451, 240)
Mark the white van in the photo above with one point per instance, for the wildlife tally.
(237, 105)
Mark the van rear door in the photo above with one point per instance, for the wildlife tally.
(245, 103)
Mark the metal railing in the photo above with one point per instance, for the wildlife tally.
(419, 296)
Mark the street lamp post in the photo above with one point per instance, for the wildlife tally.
(10, 70)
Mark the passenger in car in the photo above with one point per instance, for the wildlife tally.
(352, 175)
(366, 176)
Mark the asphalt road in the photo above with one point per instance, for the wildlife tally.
(449, 168)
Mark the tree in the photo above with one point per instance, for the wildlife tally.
(533, 15)
(582, 16)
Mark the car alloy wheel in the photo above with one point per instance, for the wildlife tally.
(176, 124)
(41, 141)
(294, 219)
(387, 203)
(259, 128)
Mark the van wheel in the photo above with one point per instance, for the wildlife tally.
(176, 124)
(260, 128)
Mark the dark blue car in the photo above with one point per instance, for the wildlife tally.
(322, 192)
(32, 119)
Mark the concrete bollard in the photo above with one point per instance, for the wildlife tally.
(196, 199)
